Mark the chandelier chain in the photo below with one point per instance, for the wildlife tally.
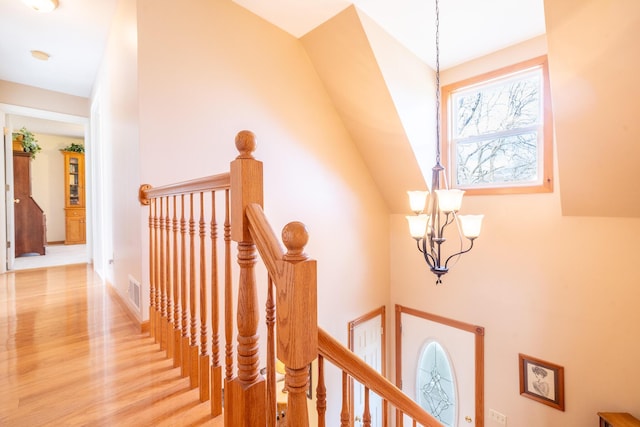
(437, 82)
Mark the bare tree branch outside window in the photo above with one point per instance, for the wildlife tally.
(497, 131)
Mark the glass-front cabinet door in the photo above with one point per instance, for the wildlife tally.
(74, 179)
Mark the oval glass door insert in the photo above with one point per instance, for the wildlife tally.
(436, 385)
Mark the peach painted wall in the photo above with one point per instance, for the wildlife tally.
(593, 56)
(212, 69)
(563, 289)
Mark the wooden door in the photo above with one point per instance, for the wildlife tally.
(30, 236)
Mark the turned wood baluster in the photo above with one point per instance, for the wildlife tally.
(246, 392)
(156, 272)
(270, 318)
(152, 278)
(366, 416)
(169, 282)
(184, 324)
(297, 324)
(247, 315)
(177, 348)
(344, 414)
(193, 325)
(321, 394)
(228, 301)
(216, 369)
(204, 355)
(163, 281)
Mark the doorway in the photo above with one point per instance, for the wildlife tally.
(47, 171)
(440, 363)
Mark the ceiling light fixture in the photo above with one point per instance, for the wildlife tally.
(42, 5)
(441, 204)
(42, 56)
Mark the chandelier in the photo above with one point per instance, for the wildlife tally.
(435, 211)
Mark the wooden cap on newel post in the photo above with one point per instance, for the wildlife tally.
(246, 185)
(297, 320)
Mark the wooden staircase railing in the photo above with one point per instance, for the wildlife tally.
(186, 279)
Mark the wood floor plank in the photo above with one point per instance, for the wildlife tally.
(69, 356)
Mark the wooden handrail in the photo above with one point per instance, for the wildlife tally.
(177, 220)
(213, 182)
(265, 238)
(272, 254)
(345, 359)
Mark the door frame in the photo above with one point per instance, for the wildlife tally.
(9, 213)
(7, 257)
(381, 311)
(479, 353)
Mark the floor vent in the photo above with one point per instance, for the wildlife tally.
(134, 291)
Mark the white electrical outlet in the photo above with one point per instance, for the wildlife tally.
(497, 417)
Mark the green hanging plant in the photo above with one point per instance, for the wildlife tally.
(76, 148)
(28, 141)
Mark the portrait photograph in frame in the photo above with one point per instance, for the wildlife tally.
(541, 381)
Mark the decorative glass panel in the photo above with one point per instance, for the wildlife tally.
(436, 385)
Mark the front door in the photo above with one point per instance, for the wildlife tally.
(438, 366)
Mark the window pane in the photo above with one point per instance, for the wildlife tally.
(499, 137)
(512, 159)
(507, 104)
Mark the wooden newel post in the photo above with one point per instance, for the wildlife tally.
(245, 404)
(297, 320)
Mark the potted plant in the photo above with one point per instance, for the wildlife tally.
(76, 148)
(28, 141)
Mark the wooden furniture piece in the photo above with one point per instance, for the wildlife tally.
(618, 419)
(29, 218)
(74, 198)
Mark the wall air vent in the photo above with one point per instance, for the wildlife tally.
(134, 291)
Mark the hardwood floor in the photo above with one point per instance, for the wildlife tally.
(70, 356)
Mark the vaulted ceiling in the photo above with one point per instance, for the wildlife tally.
(592, 55)
(76, 32)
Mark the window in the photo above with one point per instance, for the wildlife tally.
(498, 131)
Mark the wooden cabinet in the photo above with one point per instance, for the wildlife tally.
(74, 198)
(618, 419)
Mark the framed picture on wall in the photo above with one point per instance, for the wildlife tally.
(541, 381)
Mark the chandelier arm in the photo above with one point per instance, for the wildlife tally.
(459, 253)
(428, 257)
(449, 219)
